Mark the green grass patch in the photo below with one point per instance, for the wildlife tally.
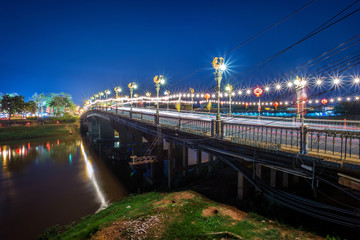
(27, 132)
(183, 220)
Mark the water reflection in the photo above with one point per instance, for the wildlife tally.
(51, 181)
(90, 173)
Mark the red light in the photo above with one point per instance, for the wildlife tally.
(207, 96)
(28, 123)
(258, 91)
(324, 101)
(246, 104)
(276, 104)
(57, 121)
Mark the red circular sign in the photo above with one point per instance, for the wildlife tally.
(276, 104)
(246, 104)
(258, 91)
(324, 101)
(207, 96)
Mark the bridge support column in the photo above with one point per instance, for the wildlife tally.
(240, 186)
(258, 174)
(185, 160)
(198, 162)
(170, 164)
(258, 170)
(296, 178)
(285, 179)
(210, 162)
(272, 177)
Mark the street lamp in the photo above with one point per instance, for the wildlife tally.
(158, 80)
(219, 67)
(107, 93)
(117, 91)
(131, 86)
(301, 96)
(148, 94)
(167, 93)
(229, 89)
(192, 98)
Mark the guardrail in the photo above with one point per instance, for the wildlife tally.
(338, 144)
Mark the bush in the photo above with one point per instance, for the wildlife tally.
(65, 118)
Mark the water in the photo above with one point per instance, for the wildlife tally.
(51, 181)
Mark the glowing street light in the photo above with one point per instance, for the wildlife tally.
(220, 67)
(336, 81)
(356, 80)
(131, 86)
(301, 95)
(229, 89)
(107, 93)
(167, 93)
(117, 91)
(192, 98)
(158, 80)
(101, 94)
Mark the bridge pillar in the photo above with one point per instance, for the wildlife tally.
(258, 174)
(240, 186)
(272, 177)
(185, 160)
(198, 161)
(210, 162)
(258, 170)
(285, 179)
(170, 164)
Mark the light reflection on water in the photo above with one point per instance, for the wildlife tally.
(47, 182)
(90, 173)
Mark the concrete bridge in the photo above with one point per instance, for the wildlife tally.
(265, 154)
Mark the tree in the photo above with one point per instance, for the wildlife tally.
(31, 107)
(12, 104)
(60, 102)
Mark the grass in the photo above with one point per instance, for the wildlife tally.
(27, 132)
(184, 219)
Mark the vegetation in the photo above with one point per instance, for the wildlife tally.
(12, 104)
(27, 132)
(182, 215)
(58, 103)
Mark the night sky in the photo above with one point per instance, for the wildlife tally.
(82, 47)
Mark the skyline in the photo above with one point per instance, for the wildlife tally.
(84, 47)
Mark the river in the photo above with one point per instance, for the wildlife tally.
(46, 182)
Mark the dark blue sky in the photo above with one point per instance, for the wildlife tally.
(82, 47)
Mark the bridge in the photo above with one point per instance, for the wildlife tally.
(265, 152)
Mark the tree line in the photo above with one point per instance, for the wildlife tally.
(57, 103)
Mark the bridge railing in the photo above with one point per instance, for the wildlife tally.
(338, 144)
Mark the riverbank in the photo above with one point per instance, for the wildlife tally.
(179, 215)
(30, 132)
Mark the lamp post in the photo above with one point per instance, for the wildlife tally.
(300, 97)
(219, 67)
(117, 91)
(158, 80)
(229, 89)
(96, 96)
(100, 96)
(148, 94)
(92, 99)
(258, 92)
(167, 93)
(192, 98)
(131, 86)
